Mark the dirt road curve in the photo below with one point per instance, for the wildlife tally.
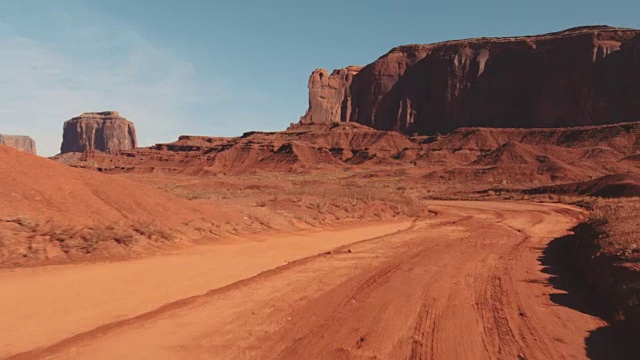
(466, 283)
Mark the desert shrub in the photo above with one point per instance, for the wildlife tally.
(197, 195)
(126, 238)
(618, 222)
(23, 221)
(406, 205)
(152, 231)
(318, 205)
(602, 213)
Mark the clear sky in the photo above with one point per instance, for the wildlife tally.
(221, 68)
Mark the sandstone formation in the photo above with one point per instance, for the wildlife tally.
(329, 95)
(471, 155)
(302, 148)
(22, 143)
(102, 131)
(581, 76)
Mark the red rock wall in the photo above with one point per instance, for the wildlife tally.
(582, 76)
(22, 143)
(105, 131)
(329, 95)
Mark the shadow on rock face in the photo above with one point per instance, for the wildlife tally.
(577, 276)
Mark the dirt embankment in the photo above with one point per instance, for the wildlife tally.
(614, 280)
(609, 186)
(602, 258)
(617, 249)
(52, 213)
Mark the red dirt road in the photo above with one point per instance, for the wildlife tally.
(464, 284)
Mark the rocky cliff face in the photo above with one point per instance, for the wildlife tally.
(581, 76)
(103, 131)
(22, 143)
(329, 95)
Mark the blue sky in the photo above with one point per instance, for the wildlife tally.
(221, 68)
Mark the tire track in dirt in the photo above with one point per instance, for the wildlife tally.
(456, 286)
(105, 291)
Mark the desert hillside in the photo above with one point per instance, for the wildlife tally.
(54, 212)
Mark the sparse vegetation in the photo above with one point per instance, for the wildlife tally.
(618, 221)
(605, 251)
(152, 231)
(23, 221)
(26, 238)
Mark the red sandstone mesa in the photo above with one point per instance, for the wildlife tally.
(22, 143)
(581, 76)
(103, 131)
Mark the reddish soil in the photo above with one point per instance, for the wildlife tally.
(54, 214)
(38, 187)
(78, 298)
(465, 283)
(51, 212)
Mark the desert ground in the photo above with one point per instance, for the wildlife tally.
(359, 264)
(404, 289)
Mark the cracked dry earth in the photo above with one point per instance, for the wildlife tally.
(463, 283)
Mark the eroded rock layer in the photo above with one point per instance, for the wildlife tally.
(484, 155)
(22, 143)
(581, 76)
(105, 131)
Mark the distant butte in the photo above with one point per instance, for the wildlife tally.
(105, 131)
(22, 143)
